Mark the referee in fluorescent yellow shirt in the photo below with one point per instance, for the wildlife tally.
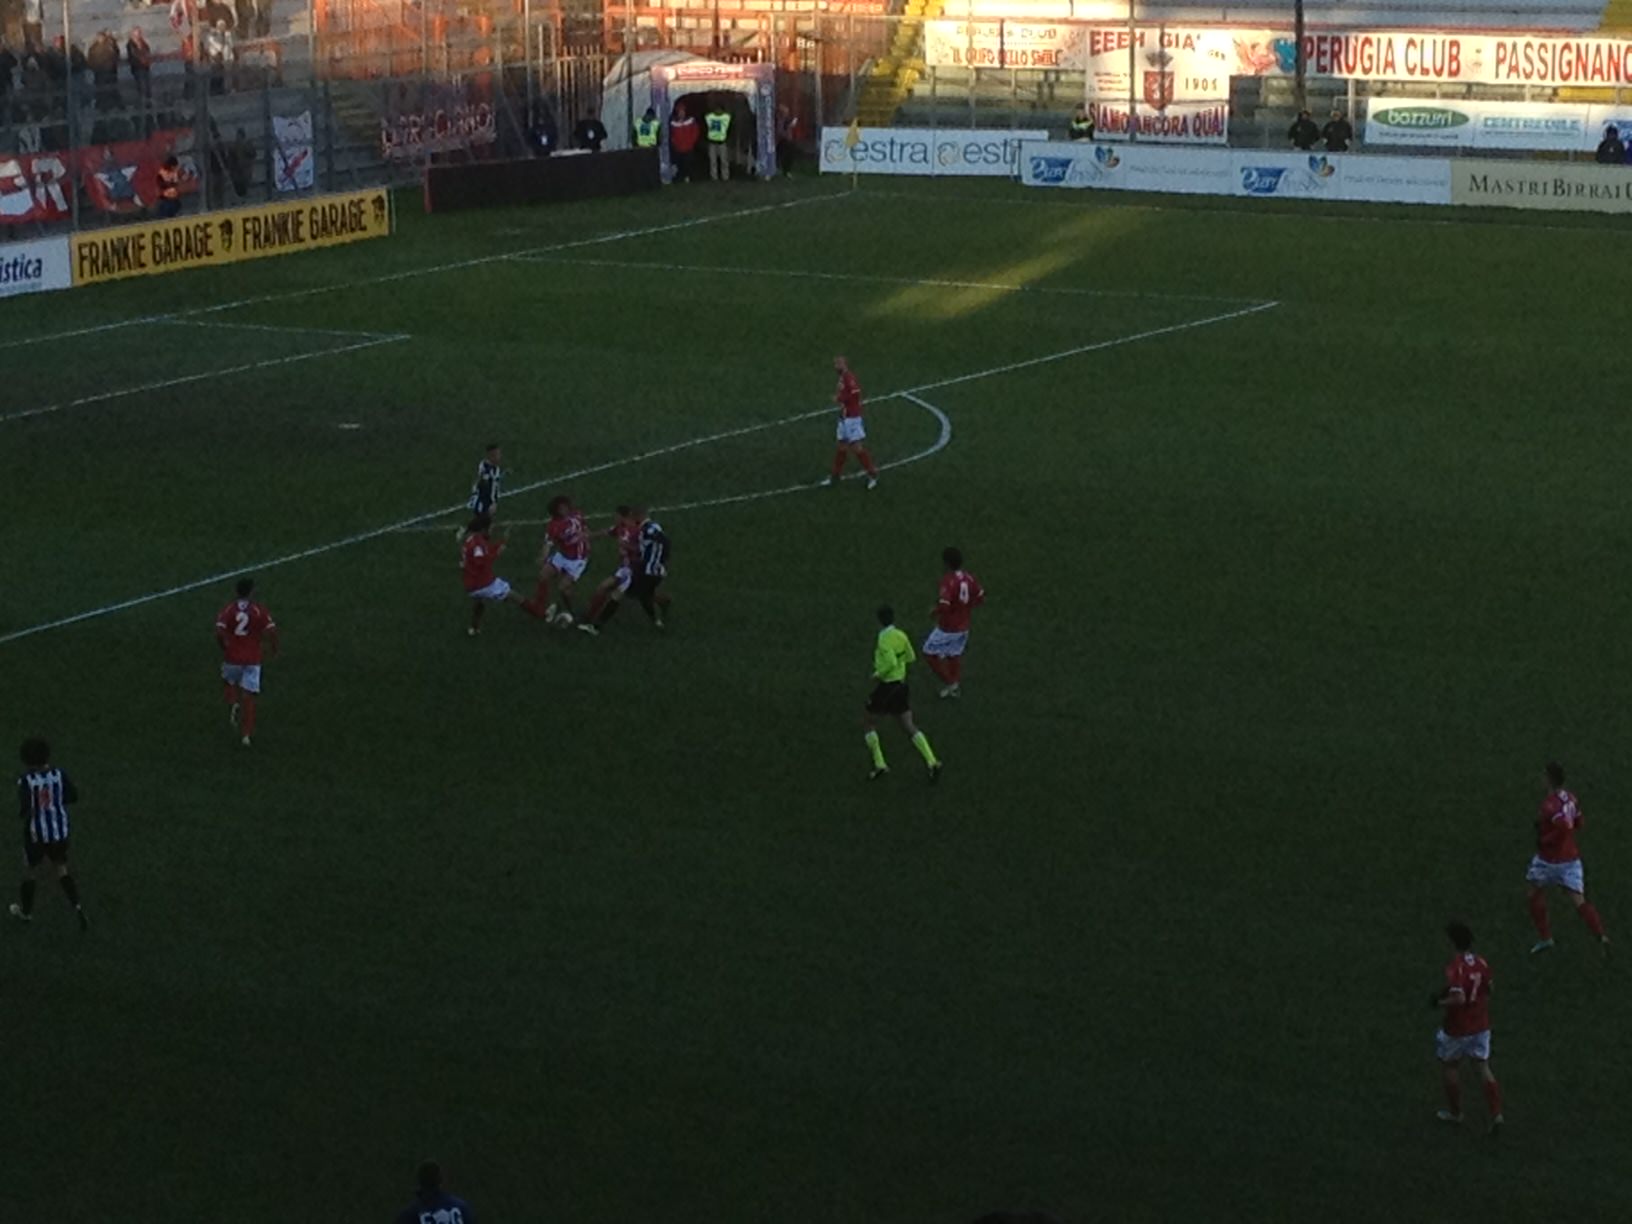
(889, 696)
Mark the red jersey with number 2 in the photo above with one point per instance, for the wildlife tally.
(569, 536)
(848, 396)
(242, 624)
(1470, 974)
(1556, 823)
(961, 593)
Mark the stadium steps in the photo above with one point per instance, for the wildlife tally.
(892, 76)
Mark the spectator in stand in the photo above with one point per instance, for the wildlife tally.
(139, 55)
(683, 135)
(432, 1203)
(1338, 133)
(590, 133)
(170, 187)
(787, 138)
(244, 12)
(241, 163)
(76, 67)
(34, 23)
(32, 107)
(542, 134)
(103, 58)
(1303, 133)
(263, 18)
(1082, 123)
(1611, 149)
(218, 51)
(8, 71)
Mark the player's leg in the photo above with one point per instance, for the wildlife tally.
(478, 609)
(33, 854)
(870, 738)
(250, 686)
(1589, 914)
(58, 853)
(865, 458)
(1493, 1092)
(603, 592)
(920, 741)
(839, 453)
(229, 685)
(1450, 1073)
(1538, 915)
(541, 594)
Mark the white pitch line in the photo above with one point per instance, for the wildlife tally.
(868, 278)
(361, 537)
(430, 270)
(275, 327)
(120, 393)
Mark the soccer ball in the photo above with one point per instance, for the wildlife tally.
(563, 620)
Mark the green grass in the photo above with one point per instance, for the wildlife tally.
(1285, 613)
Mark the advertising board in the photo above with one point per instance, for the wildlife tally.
(944, 152)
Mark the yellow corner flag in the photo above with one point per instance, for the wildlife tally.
(851, 139)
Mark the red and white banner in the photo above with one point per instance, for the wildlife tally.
(120, 178)
(1044, 45)
(443, 119)
(1194, 63)
(1167, 65)
(1176, 123)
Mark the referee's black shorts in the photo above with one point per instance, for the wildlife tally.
(35, 852)
(644, 586)
(890, 697)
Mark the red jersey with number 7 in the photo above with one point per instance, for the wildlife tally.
(241, 626)
(1470, 974)
(961, 593)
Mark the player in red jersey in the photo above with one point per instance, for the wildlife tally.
(960, 594)
(852, 435)
(1557, 861)
(565, 557)
(625, 530)
(245, 631)
(1465, 1032)
(477, 556)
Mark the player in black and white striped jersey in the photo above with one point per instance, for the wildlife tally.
(43, 795)
(651, 567)
(484, 492)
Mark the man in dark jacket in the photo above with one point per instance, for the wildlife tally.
(1611, 149)
(103, 60)
(590, 133)
(139, 56)
(1303, 133)
(1338, 133)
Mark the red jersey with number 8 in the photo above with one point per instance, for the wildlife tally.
(1470, 974)
(242, 624)
(961, 593)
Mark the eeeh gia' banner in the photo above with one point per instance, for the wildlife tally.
(118, 178)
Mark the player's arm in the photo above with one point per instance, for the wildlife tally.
(883, 657)
(70, 792)
(271, 639)
(221, 635)
(1450, 996)
(25, 801)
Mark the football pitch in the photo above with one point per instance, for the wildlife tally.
(1305, 537)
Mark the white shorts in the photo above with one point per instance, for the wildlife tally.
(1454, 1049)
(572, 569)
(246, 676)
(623, 577)
(944, 645)
(850, 429)
(1566, 875)
(495, 590)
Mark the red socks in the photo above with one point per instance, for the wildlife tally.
(232, 693)
(595, 603)
(1595, 924)
(838, 463)
(954, 669)
(1493, 1098)
(246, 716)
(938, 666)
(1538, 915)
(866, 460)
(541, 593)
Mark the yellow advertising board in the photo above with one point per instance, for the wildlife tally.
(1560, 186)
(208, 239)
